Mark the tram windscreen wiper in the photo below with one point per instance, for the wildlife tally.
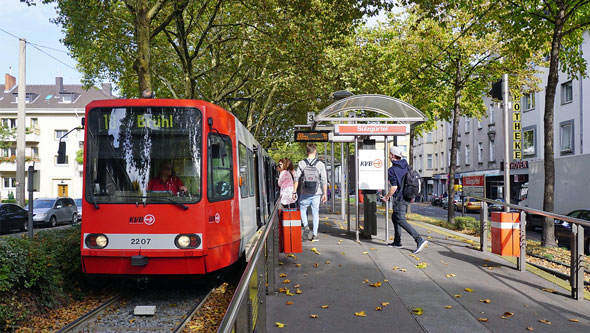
(185, 207)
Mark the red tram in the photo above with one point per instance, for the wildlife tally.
(170, 187)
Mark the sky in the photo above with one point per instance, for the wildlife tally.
(32, 23)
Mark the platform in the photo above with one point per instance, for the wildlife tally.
(457, 288)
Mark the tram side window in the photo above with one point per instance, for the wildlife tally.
(244, 171)
(252, 176)
(220, 185)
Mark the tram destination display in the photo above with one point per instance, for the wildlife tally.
(311, 136)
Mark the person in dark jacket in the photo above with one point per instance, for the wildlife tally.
(396, 174)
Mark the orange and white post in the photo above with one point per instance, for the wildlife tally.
(506, 234)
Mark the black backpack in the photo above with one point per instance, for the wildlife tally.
(310, 177)
(411, 185)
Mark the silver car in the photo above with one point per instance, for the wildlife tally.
(52, 211)
(79, 206)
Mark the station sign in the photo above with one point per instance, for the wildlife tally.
(312, 136)
(372, 129)
(371, 169)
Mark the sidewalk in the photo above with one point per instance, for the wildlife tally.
(458, 288)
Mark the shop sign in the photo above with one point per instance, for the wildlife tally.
(519, 165)
(474, 186)
(517, 129)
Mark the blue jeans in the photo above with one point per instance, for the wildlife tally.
(314, 201)
(399, 221)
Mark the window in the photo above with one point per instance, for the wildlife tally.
(7, 152)
(220, 184)
(9, 122)
(449, 158)
(492, 151)
(449, 129)
(9, 182)
(35, 152)
(436, 161)
(429, 161)
(244, 180)
(67, 98)
(480, 152)
(529, 101)
(467, 125)
(458, 156)
(442, 161)
(65, 163)
(34, 123)
(491, 113)
(429, 137)
(60, 133)
(566, 137)
(566, 92)
(479, 126)
(252, 170)
(528, 141)
(467, 155)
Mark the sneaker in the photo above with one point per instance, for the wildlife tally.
(305, 233)
(420, 246)
(397, 245)
(315, 238)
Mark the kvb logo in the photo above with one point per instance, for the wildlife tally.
(149, 219)
(377, 163)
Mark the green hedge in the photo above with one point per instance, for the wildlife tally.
(38, 275)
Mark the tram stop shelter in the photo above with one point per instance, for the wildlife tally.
(364, 120)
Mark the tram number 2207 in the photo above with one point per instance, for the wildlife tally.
(140, 241)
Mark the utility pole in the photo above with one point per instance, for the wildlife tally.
(506, 143)
(21, 127)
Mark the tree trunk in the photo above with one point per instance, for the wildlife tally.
(453, 164)
(143, 37)
(549, 164)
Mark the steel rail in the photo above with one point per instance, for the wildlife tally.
(188, 318)
(241, 290)
(89, 315)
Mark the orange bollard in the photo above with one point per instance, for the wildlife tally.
(290, 234)
(506, 234)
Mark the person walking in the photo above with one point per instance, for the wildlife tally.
(395, 175)
(286, 182)
(311, 174)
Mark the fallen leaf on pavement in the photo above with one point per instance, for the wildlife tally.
(376, 284)
(286, 281)
(378, 308)
(281, 263)
(314, 316)
(315, 265)
(288, 293)
(283, 290)
(458, 296)
(469, 290)
(485, 320)
(549, 290)
(395, 268)
(530, 328)
(360, 314)
(280, 325)
(429, 237)
(297, 286)
(384, 303)
(418, 311)
(451, 275)
(403, 270)
(291, 255)
(448, 306)
(507, 315)
(327, 262)
(297, 265)
(289, 303)
(487, 301)
(365, 252)
(422, 265)
(545, 321)
(324, 306)
(298, 291)
(573, 320)
(283, 275)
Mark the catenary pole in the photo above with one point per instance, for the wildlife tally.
(506, 143)
(20, 132)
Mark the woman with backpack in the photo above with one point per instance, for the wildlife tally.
(286, 181)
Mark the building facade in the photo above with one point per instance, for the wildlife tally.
(51, 111)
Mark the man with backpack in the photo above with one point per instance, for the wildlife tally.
(405, 186)
(312, 183)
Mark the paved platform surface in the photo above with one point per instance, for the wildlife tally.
(458, 288)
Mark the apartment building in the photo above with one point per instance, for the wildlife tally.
(51, 111)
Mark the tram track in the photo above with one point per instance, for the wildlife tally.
(175, 306)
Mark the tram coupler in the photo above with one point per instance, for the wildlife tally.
(139, 260)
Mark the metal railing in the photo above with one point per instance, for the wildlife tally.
(576, 277)
(247, 309)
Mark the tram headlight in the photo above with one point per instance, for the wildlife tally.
(187, 241)
(96, 241)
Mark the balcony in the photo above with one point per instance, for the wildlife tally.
(8, 164)
(31, 135)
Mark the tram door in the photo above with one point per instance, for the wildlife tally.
(258, 183)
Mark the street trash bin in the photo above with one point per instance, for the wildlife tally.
(506, 234)
(290, 231)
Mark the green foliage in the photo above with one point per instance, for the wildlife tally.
(80, 156)
(47, 268)
(466, 223)
(10, 195)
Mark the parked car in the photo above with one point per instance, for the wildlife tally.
(563, 229)
(12, 217)
(79, 206)
(469, 204)
(453, 204)
(496, 207)
(52, 211)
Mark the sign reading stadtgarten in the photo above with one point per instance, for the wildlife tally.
(371, 169)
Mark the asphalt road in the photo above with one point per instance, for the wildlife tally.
(426, 209)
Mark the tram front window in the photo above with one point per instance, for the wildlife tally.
(144, 155)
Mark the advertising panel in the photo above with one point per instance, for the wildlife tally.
(474, 186)
(371, 169)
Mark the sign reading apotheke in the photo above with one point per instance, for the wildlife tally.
(371, 169)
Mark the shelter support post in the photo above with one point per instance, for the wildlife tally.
(386, 189)
(346, 188)
(356, 185)
(333, 174)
